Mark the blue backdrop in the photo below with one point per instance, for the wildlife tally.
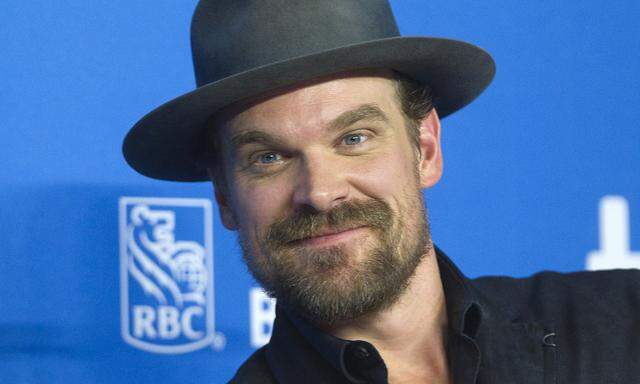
(541, 172)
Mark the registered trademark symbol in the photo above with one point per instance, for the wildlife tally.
(219, 341)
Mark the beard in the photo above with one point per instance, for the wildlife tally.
(335, 284)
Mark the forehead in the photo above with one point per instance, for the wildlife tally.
(314, 103)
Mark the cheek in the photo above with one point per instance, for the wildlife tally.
(257, 206)
(386, 174)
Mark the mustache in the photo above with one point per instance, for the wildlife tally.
(348, 215)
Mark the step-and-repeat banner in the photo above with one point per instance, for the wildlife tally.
(109, 277)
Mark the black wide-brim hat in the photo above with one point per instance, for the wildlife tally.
(245, 48)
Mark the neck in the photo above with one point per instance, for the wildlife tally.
(411, 334)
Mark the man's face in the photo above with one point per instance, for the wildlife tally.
(324, 187)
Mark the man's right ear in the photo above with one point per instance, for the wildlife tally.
(226, 214)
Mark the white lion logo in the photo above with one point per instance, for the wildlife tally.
(170, 271)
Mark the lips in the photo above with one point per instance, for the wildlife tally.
(329, 235)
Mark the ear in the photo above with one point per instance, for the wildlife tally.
(226, 213)
(430, 162)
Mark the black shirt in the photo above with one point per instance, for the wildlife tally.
(547, 328)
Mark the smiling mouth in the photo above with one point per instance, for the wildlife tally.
(331, 237)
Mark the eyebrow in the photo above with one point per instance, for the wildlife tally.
(364, 112)
(367, 112)
(250, 137)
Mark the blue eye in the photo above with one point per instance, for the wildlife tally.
(268, 158)
(354, 139)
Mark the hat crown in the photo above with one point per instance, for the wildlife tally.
(233, 36)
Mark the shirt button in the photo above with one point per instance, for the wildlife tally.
(361, 352)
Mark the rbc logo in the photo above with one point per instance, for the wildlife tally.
(166, 274)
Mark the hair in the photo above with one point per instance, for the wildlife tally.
(416, 102)
(414, 97)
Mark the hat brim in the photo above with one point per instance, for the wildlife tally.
(166, 144)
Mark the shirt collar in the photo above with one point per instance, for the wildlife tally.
(464, 310)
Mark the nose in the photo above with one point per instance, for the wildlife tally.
(322, 183)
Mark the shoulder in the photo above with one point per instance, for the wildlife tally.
(254, 370)
(554, 295)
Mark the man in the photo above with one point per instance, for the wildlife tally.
(319, 128)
